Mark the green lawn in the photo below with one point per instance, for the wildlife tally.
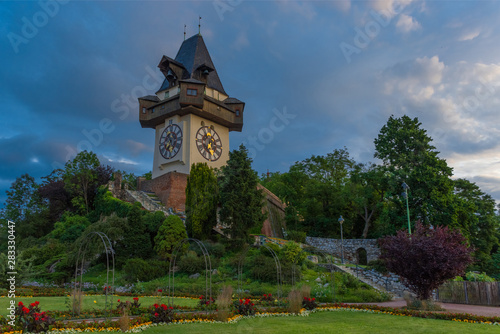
(59, 303)
(332, 322)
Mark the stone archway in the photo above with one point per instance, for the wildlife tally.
(361, 256)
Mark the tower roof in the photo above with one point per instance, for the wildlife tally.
(193, 55)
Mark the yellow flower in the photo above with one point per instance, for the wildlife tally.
(95, 302)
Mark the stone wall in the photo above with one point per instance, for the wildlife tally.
(351, 247)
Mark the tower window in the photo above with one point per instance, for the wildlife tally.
(152, 111)
(167, 94)
(192, 92)
(143, 110)
(237, 113)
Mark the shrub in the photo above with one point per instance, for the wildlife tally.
(297, 236)
(378, 265)
(162, 313)
(244, 307)
(206, 301)
(477, 277)
(309, 303)
(137, 269)
(32, 319)
(191, 263)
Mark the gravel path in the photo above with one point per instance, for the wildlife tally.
(489, 311)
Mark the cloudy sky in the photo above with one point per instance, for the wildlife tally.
(315, 76)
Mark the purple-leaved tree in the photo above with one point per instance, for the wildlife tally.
(427, 258)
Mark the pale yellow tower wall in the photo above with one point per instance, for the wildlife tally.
(188, 154)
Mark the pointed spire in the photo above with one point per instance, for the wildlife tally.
(184, 32)
(199, 26)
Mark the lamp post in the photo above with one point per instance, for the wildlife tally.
(405, 194)
(341, 220)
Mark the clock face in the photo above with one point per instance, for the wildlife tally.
(208, 143)
(170, 141)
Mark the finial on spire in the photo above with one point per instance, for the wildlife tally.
(184, 32)
(199, 26)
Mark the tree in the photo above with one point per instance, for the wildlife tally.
(408, 156)
(427, 258)
(171, 232)
(241, 200)
(366, 191)
(82, 176)
(474, 214)
(202, 197)
(136, 242)
(22, 199)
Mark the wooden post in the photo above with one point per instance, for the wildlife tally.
(465, 290)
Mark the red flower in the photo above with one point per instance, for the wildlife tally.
(252, 304)
(171, 308)
(156, 305)
(314, 299)
(26, 310)
(160, 290)
(37, 302)
(136, 298)
(247, 301)
(118, 300)
(36, 318)
(156, 314)
(163, 306)
(241, 302)
(20, 304)
(265, 295)
(270, 295)
(201, 297)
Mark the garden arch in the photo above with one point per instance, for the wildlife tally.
(108, 249)
(276, 262)
(208, 269)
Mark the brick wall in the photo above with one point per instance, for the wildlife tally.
(170, 189)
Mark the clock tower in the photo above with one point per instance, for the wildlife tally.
(192, 116)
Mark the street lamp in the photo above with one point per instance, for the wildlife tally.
(405, 195)
(341, 220)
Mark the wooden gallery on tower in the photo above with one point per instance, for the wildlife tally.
(192, 116)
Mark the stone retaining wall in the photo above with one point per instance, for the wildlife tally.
(351, 247)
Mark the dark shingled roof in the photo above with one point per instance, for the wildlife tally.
(193, 81)
(153, 98)
(193, 53)
(232, 100)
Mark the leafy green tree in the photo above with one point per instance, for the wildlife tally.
(366, 190)
(79, 176)
(136, 242)
(241, 201)
(408, 156)
(169, 235)
(22, 199)
(201, 201)
(474, 215)
(69, 228)
(82, 176)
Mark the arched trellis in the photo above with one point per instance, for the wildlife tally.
(108, 249)
(208, 270)
(330, 265)
(278, 269)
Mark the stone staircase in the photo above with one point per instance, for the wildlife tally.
(389, 284)
(149, 201)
